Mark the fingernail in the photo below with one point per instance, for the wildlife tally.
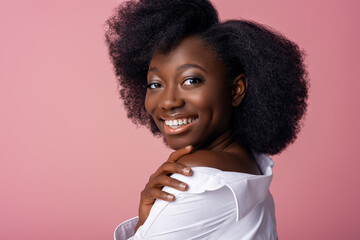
(188, 147)
(186, 170)
(170, 197)
(182, 185)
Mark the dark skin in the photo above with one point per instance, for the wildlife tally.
(190, 83)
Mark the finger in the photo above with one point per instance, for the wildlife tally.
(174, 156)
(149, 196)
(164, 180)
(170, 167)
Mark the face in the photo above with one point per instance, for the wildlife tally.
(188, 96)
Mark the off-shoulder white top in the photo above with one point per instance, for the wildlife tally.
(218, 205)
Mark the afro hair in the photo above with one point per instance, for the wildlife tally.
(269, 117)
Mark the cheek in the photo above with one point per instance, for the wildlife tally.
(212, 98)
(201, 101)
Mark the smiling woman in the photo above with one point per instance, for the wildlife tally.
(222, 95)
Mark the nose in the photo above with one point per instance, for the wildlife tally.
(171, 99)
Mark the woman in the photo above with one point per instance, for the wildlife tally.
(223, 95)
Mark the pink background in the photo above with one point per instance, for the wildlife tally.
(69, 154)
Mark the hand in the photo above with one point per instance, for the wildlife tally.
(160, 178)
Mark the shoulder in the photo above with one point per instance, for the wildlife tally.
(224, 161)
(202, 158)
(191, 214)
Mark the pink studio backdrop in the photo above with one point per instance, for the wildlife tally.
(72, 165)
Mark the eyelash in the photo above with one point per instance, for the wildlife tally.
(153, 85)
(149, 86)
(199, 80)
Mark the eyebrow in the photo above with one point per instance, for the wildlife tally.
(190, 65)
(182, 67)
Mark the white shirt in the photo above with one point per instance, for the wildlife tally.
(218, 205)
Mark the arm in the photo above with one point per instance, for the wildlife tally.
(153, 189)
(197, 212)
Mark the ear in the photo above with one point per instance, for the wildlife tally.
(238, 89)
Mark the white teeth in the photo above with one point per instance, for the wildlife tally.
(179, 122)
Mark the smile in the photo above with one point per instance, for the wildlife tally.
(178, 126)
(179, 122)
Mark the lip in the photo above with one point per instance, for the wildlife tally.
(179, 130)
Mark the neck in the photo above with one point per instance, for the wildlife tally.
(221, 143)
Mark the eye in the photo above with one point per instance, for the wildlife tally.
(153, 85)
(192, 81)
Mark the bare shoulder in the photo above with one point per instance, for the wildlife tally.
(224, 161)
(201, 158)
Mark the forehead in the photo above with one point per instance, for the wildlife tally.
(191, 50)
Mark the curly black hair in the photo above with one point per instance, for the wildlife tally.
(270, 115)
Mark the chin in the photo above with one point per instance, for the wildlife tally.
(175, 145)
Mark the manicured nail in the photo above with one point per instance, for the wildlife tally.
(188, 147)
(182, 185)
(170, 197)
(187, 170)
